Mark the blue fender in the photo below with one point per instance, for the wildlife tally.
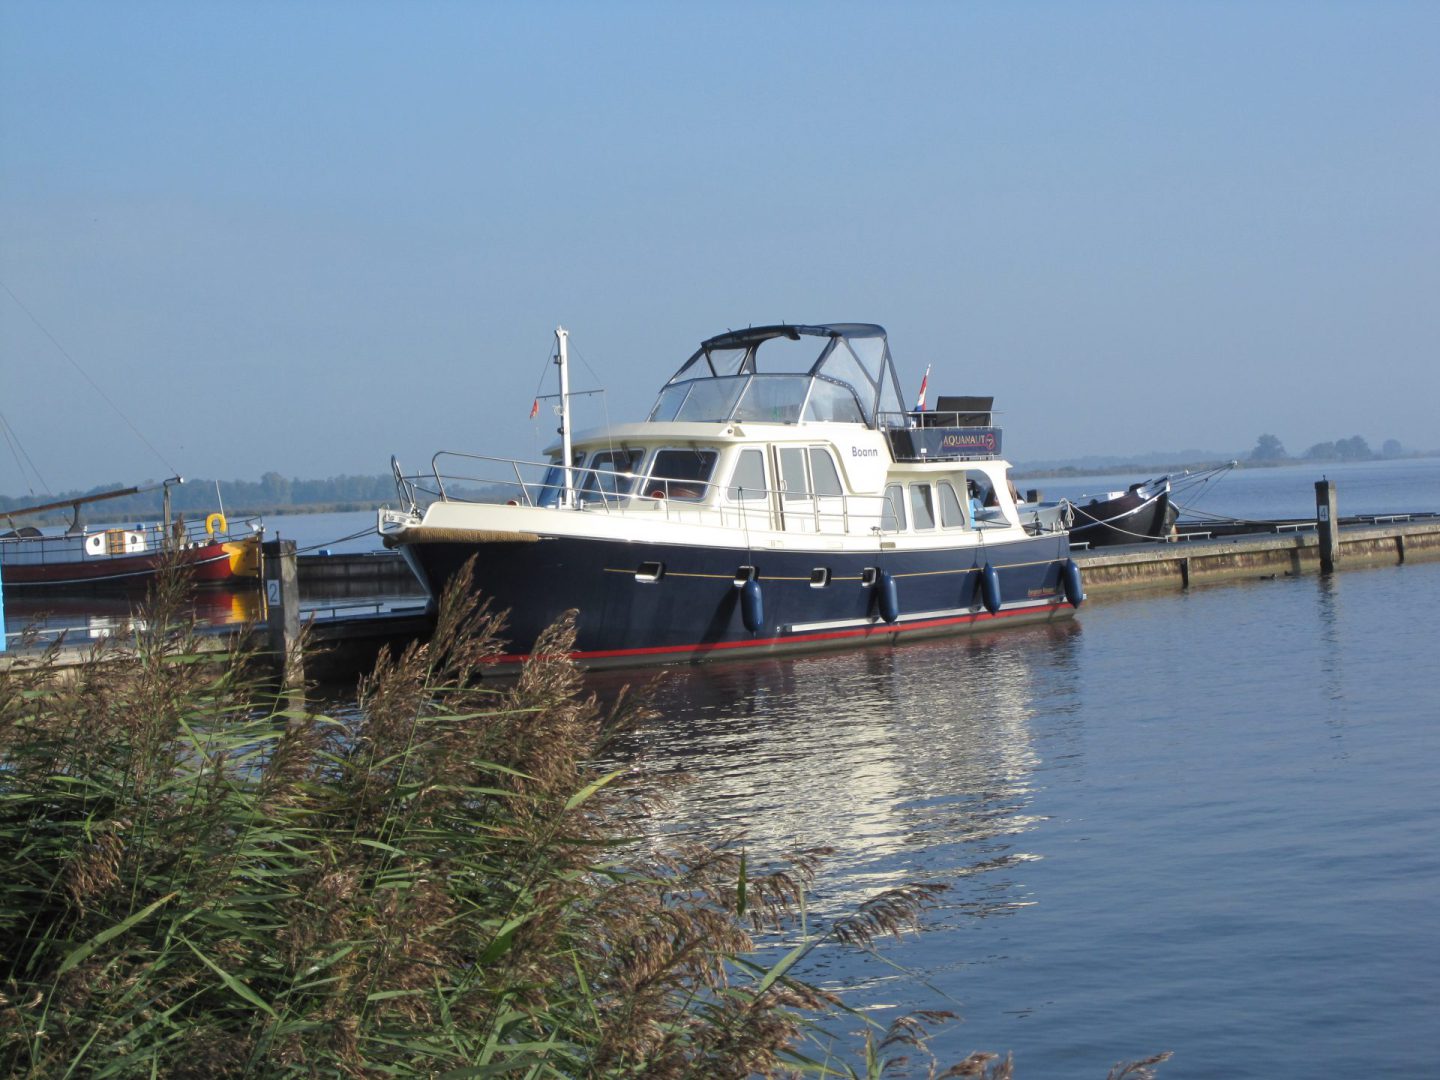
(889, 597)
(990, 588)
(752, 606)
(1070, 579)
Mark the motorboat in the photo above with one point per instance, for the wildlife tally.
(1139, 514)
(779, 497)
(1144, 512)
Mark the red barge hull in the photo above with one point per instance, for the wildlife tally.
(207, 563)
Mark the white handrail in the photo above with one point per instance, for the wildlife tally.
(596, 489)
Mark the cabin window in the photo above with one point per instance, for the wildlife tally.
(922, 509)
(833, 403)
(725, 361)
(774, 399)
(681, 474)
(747, 482)
(712, 399)
(892, 518)
(553, 484)
(951, 516)
(603, 478)
(872, 355)
(671, 398)
(822, 471)
(843, 366)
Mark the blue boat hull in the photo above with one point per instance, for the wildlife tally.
(645, 603)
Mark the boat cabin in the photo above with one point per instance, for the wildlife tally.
(809, 436)
(784, 429)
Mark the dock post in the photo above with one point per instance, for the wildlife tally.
(1327, 525)
(282, 609)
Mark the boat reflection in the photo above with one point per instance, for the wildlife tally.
(100, 614)
(914, 763)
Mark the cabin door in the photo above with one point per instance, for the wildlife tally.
(811, 498)
(748, 493)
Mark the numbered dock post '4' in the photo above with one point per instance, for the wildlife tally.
(1327, 524)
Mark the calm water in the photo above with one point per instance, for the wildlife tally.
(1202, 822)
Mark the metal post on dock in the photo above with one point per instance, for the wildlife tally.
(1327, 525)
(282, 608)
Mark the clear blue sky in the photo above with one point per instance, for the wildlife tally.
(302, 237)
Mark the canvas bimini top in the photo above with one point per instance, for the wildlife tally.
(832, 373)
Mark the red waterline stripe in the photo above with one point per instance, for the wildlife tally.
(832, 635)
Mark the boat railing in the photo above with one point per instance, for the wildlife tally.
(504, 481)
(484, 480)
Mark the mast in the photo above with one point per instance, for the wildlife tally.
(562, 357)
(86, 500)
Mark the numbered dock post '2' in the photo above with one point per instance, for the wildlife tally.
(282, 608)
(1327, 525)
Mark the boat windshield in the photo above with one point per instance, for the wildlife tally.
(786, 374)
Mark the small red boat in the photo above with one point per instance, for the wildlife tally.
(126, 556)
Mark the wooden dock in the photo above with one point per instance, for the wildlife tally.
(1200, 559)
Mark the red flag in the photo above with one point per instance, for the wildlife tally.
(535, 408)
(924, 382)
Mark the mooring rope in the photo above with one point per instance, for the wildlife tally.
(1109, 523)
(327, 543)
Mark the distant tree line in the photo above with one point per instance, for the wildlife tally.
(271, 494)
(1269, 450)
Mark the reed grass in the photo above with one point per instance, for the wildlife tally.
(203, 879)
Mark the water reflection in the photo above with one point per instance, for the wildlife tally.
(100, 615)
(1331, 657)
(916, 763)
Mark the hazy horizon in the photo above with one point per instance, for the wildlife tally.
(1081, 467)
(300, 238)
